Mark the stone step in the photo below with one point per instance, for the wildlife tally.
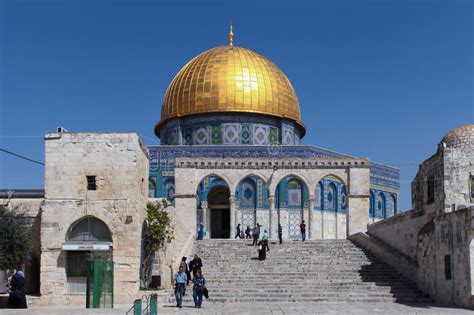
(295, 271)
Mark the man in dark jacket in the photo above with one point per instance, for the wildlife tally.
(195, 264)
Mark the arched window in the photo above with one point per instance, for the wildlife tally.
(294, 192)
(151, 188)
(319, 196)
(380, 206)
(90, 229)
(169, 190)
(343, 198)
(247, 194)
(331, 197)
(372, 205)
(391, 206)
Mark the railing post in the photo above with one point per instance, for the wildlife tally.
(154, 304)
(137, 307)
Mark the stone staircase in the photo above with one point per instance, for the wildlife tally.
(313, 271)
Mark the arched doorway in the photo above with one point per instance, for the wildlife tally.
(87, 239)
(219, 207)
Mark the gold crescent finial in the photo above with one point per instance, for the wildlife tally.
(231, 35)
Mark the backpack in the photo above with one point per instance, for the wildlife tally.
(199, 284)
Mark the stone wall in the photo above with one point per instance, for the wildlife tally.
(443, 256)
(428, 242)
(119, 162)
(400, 231)
(168, 258)
(458, 167)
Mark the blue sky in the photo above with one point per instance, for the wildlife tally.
(378, 79)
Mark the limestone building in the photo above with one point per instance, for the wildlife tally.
(230, 153)
(433, 243)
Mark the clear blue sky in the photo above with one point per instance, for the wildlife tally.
(377, 79)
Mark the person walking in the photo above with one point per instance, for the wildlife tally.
(237, 231)
(303, 231)
(187, 269)
(256, 234)
(265, 240)
(280, 233)
(185, 266)
(201, 231)
(180, 280)
(195, 265)
(247, 232)
(198, 288)
(262, 253)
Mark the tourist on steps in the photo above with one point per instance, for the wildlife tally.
(280, 233)
(198, 288)
(179, 285)
(185, 266)
(195, 265)
(237, 231)
(262, 253)
(265, 240)
(201, 231)
(254, 235)
(247, 232)
(303, 231)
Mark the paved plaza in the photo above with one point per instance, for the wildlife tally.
(261, 309)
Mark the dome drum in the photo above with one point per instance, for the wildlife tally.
(229, 129)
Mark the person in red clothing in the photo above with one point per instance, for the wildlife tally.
(303, 231)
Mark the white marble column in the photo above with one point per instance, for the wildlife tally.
(321, 213)
(311, 219)
(205, 209)
(272, 219)
(233, 213)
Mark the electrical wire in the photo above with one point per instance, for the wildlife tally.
(21, 156)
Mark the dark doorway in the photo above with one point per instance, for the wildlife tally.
(219, 206)
(220, 223)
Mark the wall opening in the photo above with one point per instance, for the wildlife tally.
(447, 267)
(219, 207)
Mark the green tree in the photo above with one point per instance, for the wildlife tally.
(15, 239)
(157, 232)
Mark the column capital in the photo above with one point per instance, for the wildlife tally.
(232, 199)
(271, 199)
(204, 204)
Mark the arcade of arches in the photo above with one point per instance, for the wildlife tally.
(269, 197)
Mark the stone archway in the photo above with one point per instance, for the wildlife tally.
(219, 208)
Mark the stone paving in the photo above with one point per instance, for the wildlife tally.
(261, 309)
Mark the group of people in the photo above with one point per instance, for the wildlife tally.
(263, 242)
(16, 287)
(183, 279)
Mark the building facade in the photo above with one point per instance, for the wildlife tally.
(230, 154)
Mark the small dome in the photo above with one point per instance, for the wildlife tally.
(460, 137)
(230, 79)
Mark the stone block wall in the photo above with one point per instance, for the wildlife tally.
(443, 256)
(458, 170)
(119, 162)
(429, 242)
(400, 231)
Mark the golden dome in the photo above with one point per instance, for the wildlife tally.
(230, 79)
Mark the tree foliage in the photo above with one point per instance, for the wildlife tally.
(15, 239)
(158, 232)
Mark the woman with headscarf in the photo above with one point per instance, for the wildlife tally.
(17, 297)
